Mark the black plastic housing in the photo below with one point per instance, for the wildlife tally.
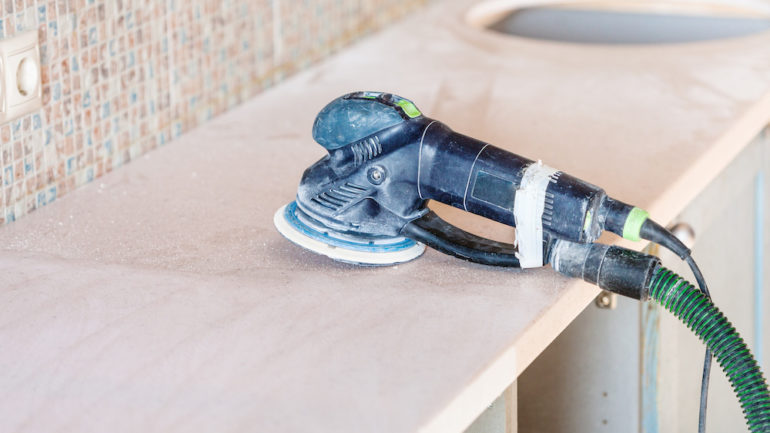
(377, 183)
(619, 270)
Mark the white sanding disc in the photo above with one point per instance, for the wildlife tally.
(345, 248)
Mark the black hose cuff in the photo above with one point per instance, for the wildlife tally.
(619, 270)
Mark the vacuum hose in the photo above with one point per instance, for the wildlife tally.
(641, 276)
(697, 312)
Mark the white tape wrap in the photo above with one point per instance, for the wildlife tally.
(528, 213)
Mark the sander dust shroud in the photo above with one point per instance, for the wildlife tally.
(365, 202)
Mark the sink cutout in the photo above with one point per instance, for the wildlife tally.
(609, 23)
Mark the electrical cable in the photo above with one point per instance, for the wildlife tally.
(655, 232)
(705, 378)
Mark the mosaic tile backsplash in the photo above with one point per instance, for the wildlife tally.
(122, 77)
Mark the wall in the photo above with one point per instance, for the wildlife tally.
(122, 77)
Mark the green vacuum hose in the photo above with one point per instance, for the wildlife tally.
(641, 276)
(700, 315)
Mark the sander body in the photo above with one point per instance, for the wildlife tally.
(368, 197)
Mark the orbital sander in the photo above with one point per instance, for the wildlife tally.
(367, 199)
(366, 202)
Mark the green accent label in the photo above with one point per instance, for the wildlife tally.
(409, 108)
(633, 224)
(589, 220)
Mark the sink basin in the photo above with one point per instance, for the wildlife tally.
(622, 22)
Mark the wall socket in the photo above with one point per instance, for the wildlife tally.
(20, 87)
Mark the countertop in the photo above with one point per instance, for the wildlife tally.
(161, 298)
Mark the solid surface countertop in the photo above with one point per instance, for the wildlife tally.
(161, 298)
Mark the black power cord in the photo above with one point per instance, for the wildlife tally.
(704, 386)
(654, 232)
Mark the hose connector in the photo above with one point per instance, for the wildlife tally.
(616, 269)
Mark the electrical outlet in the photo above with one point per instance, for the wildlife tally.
(20, 90)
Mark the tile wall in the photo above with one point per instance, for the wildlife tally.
(122, 77)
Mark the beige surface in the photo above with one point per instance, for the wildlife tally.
(160, 298)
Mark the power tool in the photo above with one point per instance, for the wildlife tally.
(366, 202)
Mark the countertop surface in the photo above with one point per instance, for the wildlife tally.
(161, 298)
